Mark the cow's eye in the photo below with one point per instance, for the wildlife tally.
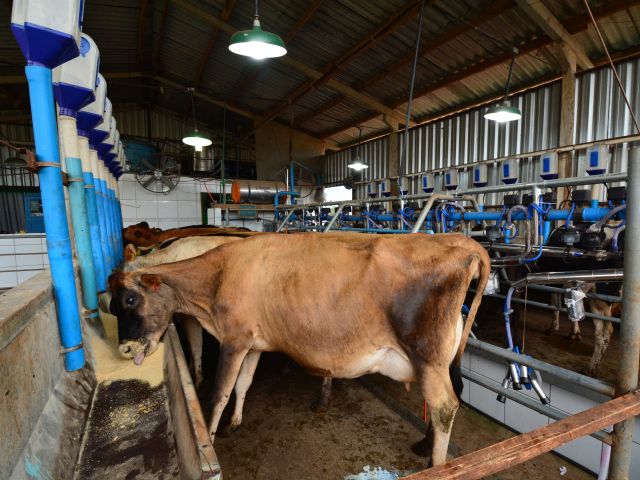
(130, 300)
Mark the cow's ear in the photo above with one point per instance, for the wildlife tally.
(130, 252)
(114, 280)
(151, 281)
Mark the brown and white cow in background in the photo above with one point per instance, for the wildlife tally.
(340, 305)
(145, 237)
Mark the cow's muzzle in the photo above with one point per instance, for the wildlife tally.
(137, 349)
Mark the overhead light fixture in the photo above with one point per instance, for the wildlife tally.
(256, 43)
(356, 162)
(195, 138)
(503, 112)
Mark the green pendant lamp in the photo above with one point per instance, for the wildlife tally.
(356, 162)
(256, 43)
(195, 138)
(503, 112)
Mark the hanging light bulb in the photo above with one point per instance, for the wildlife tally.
(503, 112)
(195, 138)
(356, 162)
(257, 43)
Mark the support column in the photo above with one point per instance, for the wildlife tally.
(567, 120)
(393, 153)
(630, 322)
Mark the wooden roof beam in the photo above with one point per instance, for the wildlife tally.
(253, 72)
(224, 16)
(142, 19)
(495, 9)
(155, 65)
(577, 25)
(291, 62)
(543, 17)
(400, 18)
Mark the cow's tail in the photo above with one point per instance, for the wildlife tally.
(483, 269)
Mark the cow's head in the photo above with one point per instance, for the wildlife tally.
(144, 306)
(140, 234)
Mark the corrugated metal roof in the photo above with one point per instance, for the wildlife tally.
(474, 36)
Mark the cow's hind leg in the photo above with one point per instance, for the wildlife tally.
(603, 333)
(321, 404)
(245, 377)
(555, 321)
(229, 363)
(443, 405)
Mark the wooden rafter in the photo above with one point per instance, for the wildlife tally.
(575, 26)
(224, 16)
(157, 48)
(409, 10)
(497, 8)
(288, 60)
(542, 16)
(252, 74)
(142, 20)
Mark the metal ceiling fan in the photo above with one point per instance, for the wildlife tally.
(160, 179)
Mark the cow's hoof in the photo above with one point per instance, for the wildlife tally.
(421, 448)
(225, 432)
(551, 331)
(576, 337)
(319, 407)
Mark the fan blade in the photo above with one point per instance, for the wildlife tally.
(148, 182)
(166, 182)
(147, 164)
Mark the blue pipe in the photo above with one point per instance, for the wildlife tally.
(546, 231)
(82, 235)
(374, 230)
(45, 131)
(104, 235)
(109, 222)
(114, 218)
(94, 230)
(573, 208)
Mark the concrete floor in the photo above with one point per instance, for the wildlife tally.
(281, 438)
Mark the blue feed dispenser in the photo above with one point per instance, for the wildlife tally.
(100, 132)
(47, 39)
(75, 81)
(90, 115)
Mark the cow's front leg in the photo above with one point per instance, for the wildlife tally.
(229, 363)
(575, 331)
(193, 331)
(245, 377)
(603, 331)
(321, 405)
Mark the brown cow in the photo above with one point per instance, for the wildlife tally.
(341, 305)
(141, 235)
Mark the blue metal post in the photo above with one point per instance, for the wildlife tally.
(104, 235)
(45, 133)
(79, 214)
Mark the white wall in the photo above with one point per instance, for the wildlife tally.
(21, 257)
(178, 208)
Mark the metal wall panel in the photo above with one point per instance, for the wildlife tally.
(601, 111)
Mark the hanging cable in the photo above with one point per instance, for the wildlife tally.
(408, 115)
(613, 68)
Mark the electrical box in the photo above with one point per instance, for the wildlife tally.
(549, 167)
(385, 187)
(597, 158)
(480, 175)
(33, 215)
(372, 189)
(451, 179)
(428, 183)
(403, 185)
(509, 171)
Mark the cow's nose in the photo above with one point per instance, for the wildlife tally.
(126, 349)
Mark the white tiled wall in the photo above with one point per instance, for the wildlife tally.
(21, 257)
(585, 451)
(178, 208)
